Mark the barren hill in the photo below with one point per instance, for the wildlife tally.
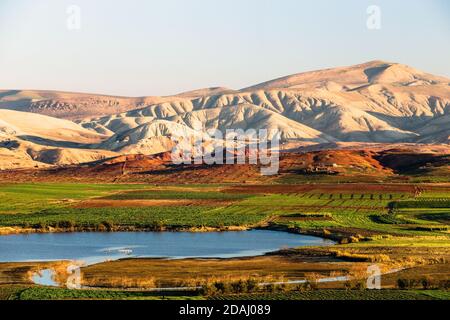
(371, 102)
(70, 105)
(374, 102)
(352, 77)
(29, 140)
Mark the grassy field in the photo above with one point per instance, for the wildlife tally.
(146, 218)
(343, 295)
(42, 293)
(396, 225)
(129, 273)
(293, 264)
(11, 292)
(14, 292)
(372, 212)
(29, 198)
(178, 193)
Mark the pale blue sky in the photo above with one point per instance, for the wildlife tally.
(150, 47)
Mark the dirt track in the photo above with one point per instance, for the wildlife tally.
(326, 188)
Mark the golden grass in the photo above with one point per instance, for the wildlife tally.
(306, 263)
(21, 272)
(189, 272)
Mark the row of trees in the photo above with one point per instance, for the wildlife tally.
(424, 283)
(252, 286)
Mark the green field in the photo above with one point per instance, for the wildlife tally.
(394, 214)
(46, 293)
(146, 218)
(368, 225)
(343, 295)
(29, 198)
(176, 194)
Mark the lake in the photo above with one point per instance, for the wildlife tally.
(94, 247)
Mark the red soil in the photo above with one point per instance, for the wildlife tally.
(158, 169)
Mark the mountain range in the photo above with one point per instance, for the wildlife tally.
(375, 102)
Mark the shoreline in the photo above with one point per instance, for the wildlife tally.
(6, 231)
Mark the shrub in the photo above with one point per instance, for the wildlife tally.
(252, 285)
(406, 283)
(281, 288)
(270, 288)
(157, 225)
(109, 226)
(402, 284)
(238, 287)
(347, 285)
(40, 225)
(221, 287)
(209, 289)
(426, 282)
(309, 286)
(360, 285)
(444, 284)
(65, 225)
(101, 227)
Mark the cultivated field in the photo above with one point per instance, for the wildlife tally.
(399, 227)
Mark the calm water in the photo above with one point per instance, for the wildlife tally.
(97, 247)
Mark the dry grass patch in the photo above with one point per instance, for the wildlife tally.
(186, 272)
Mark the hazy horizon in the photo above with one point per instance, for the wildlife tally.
(155, 48)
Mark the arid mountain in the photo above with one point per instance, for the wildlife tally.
(354, 77)
(69, 105)
(30, 140)
(374, 102)
(205, 92)
(248, 116)
(151, 138)
(29, 126)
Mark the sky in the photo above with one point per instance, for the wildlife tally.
(156, 47)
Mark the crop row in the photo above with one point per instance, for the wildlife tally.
(176, 194)
(422, 203)
(333, 295)
(151, 217)
(44, 293)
